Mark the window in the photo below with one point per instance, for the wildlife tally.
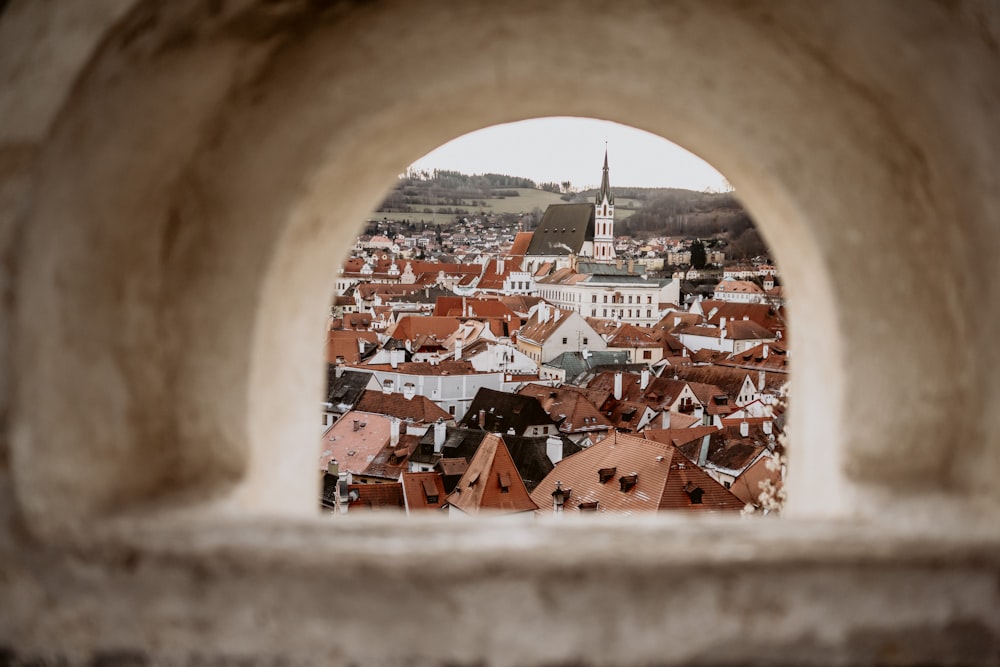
(605, 298)
(647, 354)
(451, 410)
(586, 340)
(564, 340)
(593, 298)
(649, 313)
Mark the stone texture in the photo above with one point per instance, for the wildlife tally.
(177, 180)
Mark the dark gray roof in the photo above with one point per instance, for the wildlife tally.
(563, 230)
(574, 364)
(503, 411)
(345, 391)
(586, 376)
(529, 454)
(531, 459)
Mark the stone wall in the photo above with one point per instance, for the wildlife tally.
(176, 180)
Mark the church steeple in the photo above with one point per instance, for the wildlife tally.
(604, 217)
(605, 191)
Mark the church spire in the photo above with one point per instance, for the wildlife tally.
(605, 191)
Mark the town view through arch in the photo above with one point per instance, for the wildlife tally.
(557, 316)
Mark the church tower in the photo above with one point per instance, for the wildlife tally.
(604, 218)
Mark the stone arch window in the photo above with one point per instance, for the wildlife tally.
(173, 176)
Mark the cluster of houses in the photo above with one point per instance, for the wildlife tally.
(554, 377)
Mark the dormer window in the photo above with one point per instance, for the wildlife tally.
(628, 481)
(604, 474)
(504, 479)
(694, 493)
(590, 506)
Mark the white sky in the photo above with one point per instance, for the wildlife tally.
(572, 149)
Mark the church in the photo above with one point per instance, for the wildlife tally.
(571, 231)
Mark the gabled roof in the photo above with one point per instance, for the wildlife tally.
(522, 240)
(374, 497)
(663, 480)
(419, 408)
(390, 462)
(631, 336)
(417, 327)
(563, 230)
(345, 344)
(501, 411)
(771, 357)
(539, 331)
(492, 483)
(575, 363)
(345, 391)
(728, 378)
(570, 407)
(423, 491)
(354, 450)
(761, 313)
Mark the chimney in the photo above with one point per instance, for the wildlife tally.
(767, 348)
(554, 448)
(761, 377)
(556, 314)
(396, 356)
(409, 391)
(361, 345)
(482, 419)
(585, 353)
(699, 411)
(393, 431)
(722, 323)
(357, 424)
(644, 379)
(618, 385)
(543, 312)
(440, 432)
(666, 419)
(458, 349)
(500, 266)
(333, 468)
(703, 452)
(338, 370)
(387, 387)
(631, 266)
(767, 427)
(744, 428)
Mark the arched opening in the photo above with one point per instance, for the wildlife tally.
(248, 160)
(438, 295)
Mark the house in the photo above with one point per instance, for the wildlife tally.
(491, 484)
(568, 367)
(640, 343)
(742, 291)
(423, 491)
(626, 474)
(354, 441)
(408, 406)
(730, 337)
(553, 331)
(727, 454)
(500, 412)
(450, 384)
(571, 408)
(344, 389)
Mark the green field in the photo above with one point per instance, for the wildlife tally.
(527, 200)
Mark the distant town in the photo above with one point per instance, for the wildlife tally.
(526, 363)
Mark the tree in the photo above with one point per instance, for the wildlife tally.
(698, 255)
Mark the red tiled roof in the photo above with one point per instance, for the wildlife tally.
(413, 327)
(521, 242)
(664, 480)
(492, 482)
(423, 491)
(419, 408)
(345, 344)
(374, 497)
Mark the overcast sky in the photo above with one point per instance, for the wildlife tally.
(572, 149)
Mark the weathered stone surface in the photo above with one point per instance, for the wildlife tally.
(177, 180)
